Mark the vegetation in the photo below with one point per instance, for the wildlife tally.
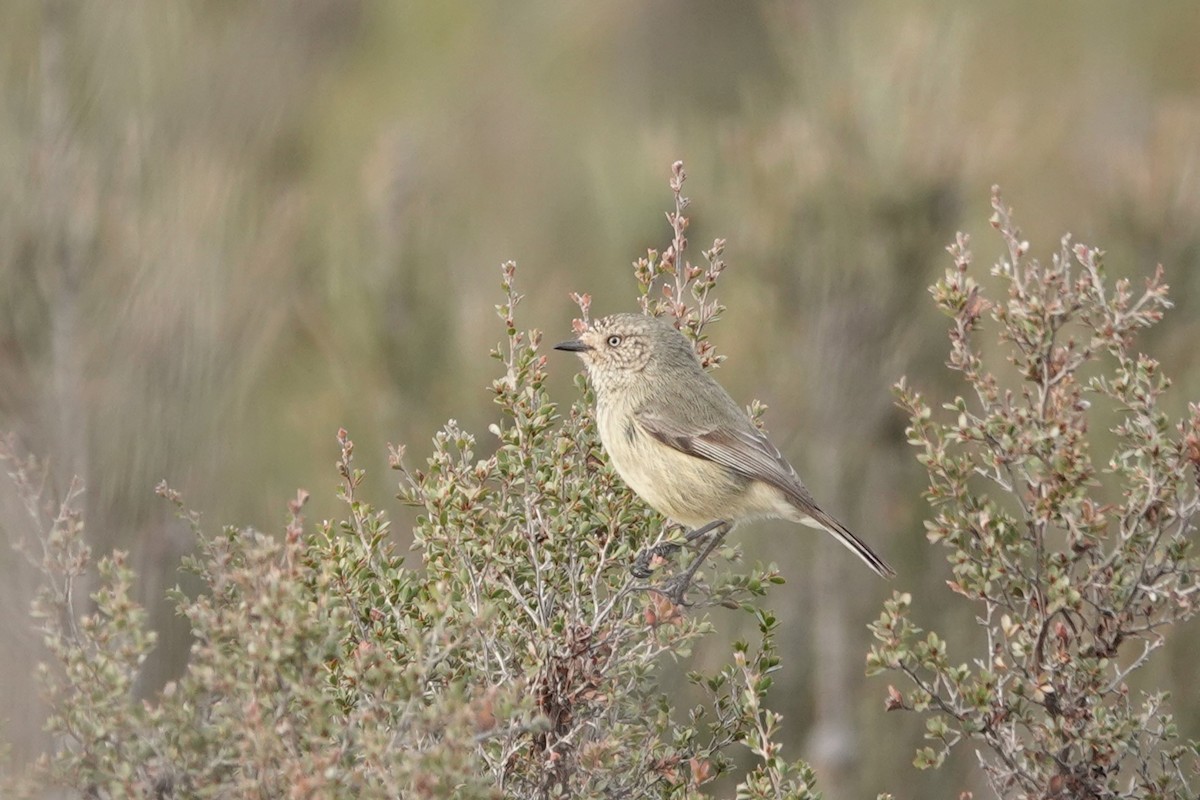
(1079, 562)
(522, 659)
(230, 229)
(525, 659)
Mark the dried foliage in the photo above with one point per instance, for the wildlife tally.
(1079, 562)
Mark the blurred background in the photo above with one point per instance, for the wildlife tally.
(228, 228)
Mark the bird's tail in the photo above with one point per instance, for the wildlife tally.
(819, 519)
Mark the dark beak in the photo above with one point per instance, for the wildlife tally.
(572, 345)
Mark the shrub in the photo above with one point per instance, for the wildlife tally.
(1077, 560)
(521, 659)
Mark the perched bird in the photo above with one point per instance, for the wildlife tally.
(681, 442)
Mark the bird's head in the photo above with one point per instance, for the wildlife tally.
(623, 348)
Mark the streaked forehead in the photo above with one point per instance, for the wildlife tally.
(624, 322)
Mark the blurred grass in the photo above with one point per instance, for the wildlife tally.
(230, 228)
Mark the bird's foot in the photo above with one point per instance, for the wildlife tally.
(676, 588)
(652, 558)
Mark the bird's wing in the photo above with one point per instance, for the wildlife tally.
(745, 451)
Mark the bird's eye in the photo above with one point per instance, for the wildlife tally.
(614, 340)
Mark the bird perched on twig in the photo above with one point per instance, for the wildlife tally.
(681, 442)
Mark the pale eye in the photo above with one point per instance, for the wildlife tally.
(614, 340)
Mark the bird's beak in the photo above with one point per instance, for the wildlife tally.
(573, 346)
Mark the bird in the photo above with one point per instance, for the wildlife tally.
(682, 444)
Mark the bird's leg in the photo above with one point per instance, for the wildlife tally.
(676, 588)
(704, 530)
(641, 565)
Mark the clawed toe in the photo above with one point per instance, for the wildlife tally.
(675, 589)
(651, 558)
(641, 567)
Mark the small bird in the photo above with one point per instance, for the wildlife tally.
(678, 439)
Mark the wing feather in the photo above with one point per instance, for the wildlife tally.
(749, 453)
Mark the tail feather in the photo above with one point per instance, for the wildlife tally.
(855, 545)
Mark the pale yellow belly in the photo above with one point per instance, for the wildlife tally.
(689, 490)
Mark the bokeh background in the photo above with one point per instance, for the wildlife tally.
(228, 228)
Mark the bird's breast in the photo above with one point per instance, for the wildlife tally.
(690, 490)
